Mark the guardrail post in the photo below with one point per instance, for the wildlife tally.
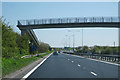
(115, 59)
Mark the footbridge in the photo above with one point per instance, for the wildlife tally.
(27, 26)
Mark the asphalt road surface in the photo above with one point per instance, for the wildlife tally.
(68, 66)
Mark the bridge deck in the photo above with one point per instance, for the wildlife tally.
(69, 23)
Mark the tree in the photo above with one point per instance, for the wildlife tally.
(116, 50)
(43, 47)
(13, 44)
(108, 50)
(85, 49)
(23, 43)
(9, 45)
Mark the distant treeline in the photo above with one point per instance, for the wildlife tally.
(15, 45)
(98, 50)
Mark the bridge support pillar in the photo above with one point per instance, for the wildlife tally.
(23, 31)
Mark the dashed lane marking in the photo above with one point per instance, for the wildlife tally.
(79, 65)
(93, 73)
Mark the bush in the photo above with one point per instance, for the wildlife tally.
(13, 44)
(23, 44)
(43, 47)
(9, 44)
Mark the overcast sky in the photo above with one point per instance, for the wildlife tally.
(14, 11)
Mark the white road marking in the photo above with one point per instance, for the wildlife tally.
(93, 73)
(35, 67)
(78, 65)
(72, 61)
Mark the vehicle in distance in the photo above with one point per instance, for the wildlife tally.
(55, 53)
(59, 51)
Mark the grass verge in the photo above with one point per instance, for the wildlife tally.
(10, 65)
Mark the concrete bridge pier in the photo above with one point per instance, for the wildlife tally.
(32, 43)
(23, 31)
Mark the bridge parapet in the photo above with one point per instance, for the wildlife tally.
(69, 20)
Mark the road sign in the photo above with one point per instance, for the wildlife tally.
(34, 47)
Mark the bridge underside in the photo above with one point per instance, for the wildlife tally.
(32, 36)
(72, 25)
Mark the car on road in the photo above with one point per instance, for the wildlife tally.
(59, 51)
(55, 53)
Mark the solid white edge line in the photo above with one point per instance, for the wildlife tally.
(93, 73)
(36, 67)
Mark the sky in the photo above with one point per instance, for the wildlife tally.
(60, 0)
(14, 11)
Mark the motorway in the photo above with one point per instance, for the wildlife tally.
(69, 66)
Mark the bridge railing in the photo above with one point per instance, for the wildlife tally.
(33, 33)
(68, 20)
